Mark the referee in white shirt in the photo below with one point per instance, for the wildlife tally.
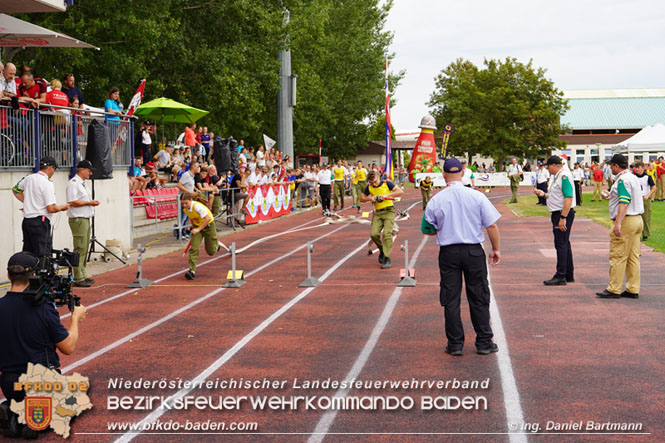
(457, 216)
(37, 193)
(81, 210)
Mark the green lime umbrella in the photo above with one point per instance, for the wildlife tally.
(169, 111)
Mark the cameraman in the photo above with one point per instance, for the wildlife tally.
(29, 333)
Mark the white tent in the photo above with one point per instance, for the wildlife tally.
(649, 139)
(18, 33)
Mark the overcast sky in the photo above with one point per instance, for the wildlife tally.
(582, 44)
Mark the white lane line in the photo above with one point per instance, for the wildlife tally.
(237, 347)
(327, 419)
(168, 317)
(511, 396)
(131, 291)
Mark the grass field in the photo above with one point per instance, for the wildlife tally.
(596, 211)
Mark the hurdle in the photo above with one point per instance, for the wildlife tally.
(140, 282)
(309, 282)
(407, 275)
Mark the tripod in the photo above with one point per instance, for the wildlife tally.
(93, 239)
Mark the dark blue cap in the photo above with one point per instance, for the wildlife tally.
(452, 165)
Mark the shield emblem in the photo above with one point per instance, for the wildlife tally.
(38, 412)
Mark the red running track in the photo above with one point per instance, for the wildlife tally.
(571, 357)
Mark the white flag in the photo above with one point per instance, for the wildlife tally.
(268, 142)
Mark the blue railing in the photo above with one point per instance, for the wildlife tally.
(26, 135)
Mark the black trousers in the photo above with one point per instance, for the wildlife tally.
(37, 236)
(145, 150)
(7, 381)
(564, 253)
(469, 261)
(324, 190)
(578, 192)
(543, 187)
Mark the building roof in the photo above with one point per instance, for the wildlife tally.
(614, 113)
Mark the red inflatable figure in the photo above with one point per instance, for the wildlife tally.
(423, 158)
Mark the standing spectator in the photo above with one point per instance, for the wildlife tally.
(190, 136)
(648, 188)
(457, 216)
(514, 175)
(659, 166)
(241, 146)
(626, 207)
(113, 107)
(468, 179)
(187, 183)
(56, 97)
(7, 83)
(71, 90)
(32, 90)
(578, 177)
(260, 157)
(560, 203)
(37, 193)
(146, 141)
(607, 174)
(205, 142)
(81, 210)
(542, 176)
(597, 182)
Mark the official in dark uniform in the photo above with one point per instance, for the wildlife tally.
(560, 200)
(29, 333)
(457, 215)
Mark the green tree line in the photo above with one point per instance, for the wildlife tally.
(222, 56)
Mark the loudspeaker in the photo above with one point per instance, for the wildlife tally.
(98, 151)
(233, 150)
(223, 160)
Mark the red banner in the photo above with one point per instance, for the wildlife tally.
(266, 202)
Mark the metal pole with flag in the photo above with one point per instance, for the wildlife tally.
(124, 129)
(389, 151)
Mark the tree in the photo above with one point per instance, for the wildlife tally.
(222, 56)
(506, 109)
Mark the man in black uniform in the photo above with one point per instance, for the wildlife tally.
(29, 333)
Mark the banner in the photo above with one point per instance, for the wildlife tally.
(446, 136)
(268, 142)
(266, 202)
(389, 148)
(123, 133)
(481, 179)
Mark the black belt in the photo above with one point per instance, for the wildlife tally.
(385, 209)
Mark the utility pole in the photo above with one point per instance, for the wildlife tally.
(286, 99)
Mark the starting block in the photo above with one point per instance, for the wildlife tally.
(406, 274)
(239, 274)
(398, 199)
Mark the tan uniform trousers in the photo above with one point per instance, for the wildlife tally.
(625, 256)
(597, 189)
(660, 188)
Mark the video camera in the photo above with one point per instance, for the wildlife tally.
(48, 285)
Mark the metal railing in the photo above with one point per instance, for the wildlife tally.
(26, 135)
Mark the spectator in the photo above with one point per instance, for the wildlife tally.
(205, 143)
(190, 136)
(166, 163)
(260, 157)
(113, 106)
(56, 97)
(7, 83)
(72, 91)
(146, 141)
(31, 90)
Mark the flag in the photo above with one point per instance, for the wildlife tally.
(268, 142)
(389, 151)
(123, 132)
(446, 136)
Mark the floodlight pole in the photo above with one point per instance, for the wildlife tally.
(286, 99)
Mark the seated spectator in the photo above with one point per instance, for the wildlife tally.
(165, 162)
(137, 181)
(72, 91)
(153, 181)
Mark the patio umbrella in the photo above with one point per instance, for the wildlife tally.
(19, 33)
(169, 111)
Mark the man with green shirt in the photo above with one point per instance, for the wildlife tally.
(560, 203)
(626, 206)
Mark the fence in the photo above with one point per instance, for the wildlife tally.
(26, 135)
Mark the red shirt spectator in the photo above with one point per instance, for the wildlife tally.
(190, 136)
(598, 175)
(32, 88)
(57, 97)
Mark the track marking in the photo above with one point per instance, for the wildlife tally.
(327, 419)
(238, 346)
(168, 317)
(511, 396)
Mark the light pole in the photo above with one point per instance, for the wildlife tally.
(286, 98)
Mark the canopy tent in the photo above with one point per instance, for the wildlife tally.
(651, 138)
(19, 33)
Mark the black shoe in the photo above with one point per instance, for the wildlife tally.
(456, 352)
(485, 351)
(570, 279)
(89, 280)
(82, 284)
(607, 294)
(386, 264)
(627, 294)
(189, 275)
(555, 281)
(358, 209)
(382, 258)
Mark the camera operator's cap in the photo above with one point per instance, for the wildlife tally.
(554, 160)
(47, 161)
(84, 164)
(452, 165)
(27, 260)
